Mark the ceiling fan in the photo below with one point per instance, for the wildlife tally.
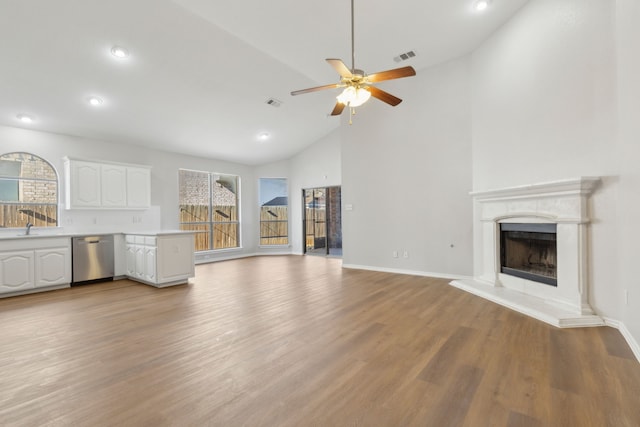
(358, 86)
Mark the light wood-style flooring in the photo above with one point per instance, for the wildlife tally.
(299, 341)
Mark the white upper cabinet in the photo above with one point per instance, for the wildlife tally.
(96, 185)
(83, 184)
(138, 187)
(113, 186)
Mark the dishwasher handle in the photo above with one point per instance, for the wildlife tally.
(91, 240)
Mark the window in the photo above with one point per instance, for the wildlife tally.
(209, 205)
(274, 218)
(28, 191)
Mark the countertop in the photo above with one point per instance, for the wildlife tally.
(18, 234)
(159, 232)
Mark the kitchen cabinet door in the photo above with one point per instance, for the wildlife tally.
(113, 186)
(131, 260)
(52, 267)
(138, 187)
(16, 271)
(150, 264)
(140, 260)
(85, 184)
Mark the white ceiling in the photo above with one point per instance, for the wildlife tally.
(201, 71)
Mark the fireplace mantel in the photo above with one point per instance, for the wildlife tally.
(563, 202)
(582, 185)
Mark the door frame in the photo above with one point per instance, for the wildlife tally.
(326, 219)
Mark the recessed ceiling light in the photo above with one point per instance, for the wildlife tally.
(95, 101)
(25, 118)
(264, 136)
(481, 5)
(119, 52)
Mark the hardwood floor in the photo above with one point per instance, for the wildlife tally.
(298, 341)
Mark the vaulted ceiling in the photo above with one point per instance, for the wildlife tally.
(200, 72)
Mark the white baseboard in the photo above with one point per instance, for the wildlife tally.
(635, 348)
(402, 271)
(230, 256)
(225, 257)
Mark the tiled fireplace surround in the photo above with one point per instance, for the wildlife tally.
(564, 203)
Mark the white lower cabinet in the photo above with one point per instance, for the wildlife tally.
(16, 271)
(31, 263)
(52, 267)
(130, 259)
(161, 260)
(150, 268)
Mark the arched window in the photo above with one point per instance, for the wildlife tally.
(28, 191)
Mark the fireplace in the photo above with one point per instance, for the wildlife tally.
(529, 251)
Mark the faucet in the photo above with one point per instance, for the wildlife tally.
(28, 230)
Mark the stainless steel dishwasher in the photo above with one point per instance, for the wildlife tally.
(92, 258)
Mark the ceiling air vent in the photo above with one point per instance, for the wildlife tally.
(274, 102)
(404, 56)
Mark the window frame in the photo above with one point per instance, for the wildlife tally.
(18, 180)
(261, 205)
(210, 223)
(212, 210)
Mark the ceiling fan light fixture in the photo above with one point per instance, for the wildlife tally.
(354, 96)
(94, 101)
(25, 118)
(119, 52)
(358, 86)
(481, 5)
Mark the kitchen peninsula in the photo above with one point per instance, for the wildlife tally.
(42, 262)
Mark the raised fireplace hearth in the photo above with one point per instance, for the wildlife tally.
(531, 250)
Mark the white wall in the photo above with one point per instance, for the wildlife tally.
(547, 105)
(164, 181)
(406, 171)
(628, 17)
(317, 166)
(542, 95)
(279, 169)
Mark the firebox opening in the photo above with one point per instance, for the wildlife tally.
(529, 251)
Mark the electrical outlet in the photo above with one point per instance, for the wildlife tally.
(406, 254)
(395, 254)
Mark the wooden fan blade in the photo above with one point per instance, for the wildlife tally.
(337, 110)
(396, 73)
(315, 89)
(384, 96)
(339, 66)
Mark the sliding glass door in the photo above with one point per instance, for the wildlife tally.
(322, 221)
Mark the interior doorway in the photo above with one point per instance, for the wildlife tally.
(322, 221)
